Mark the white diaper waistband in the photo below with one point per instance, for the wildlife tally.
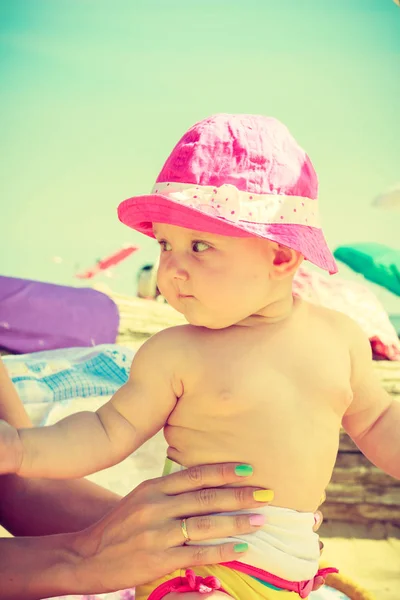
(286, 545)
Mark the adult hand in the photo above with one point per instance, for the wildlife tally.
(142, 539)
(318, 518)
(11, 450)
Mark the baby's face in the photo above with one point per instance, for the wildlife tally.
(214, 281)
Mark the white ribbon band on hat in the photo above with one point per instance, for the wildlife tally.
(228, 202)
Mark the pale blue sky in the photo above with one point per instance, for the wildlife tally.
(94, 94)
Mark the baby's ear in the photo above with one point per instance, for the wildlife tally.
(285, 261)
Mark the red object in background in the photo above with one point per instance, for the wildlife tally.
(106, 263)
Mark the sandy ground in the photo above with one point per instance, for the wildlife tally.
(370, 555)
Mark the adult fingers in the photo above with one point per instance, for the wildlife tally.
(318, 518)
(204, 476)
(206, 501)
(318, 582)
(186, 556)
(209, 527)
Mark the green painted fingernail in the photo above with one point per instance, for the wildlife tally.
(241, 547)
(244, 470)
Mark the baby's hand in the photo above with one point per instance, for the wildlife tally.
(11, 449)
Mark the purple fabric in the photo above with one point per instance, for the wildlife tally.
(43, 316)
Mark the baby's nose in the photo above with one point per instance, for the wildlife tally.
(177, 268)
(181, 274)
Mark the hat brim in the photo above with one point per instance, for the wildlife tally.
(140, 212)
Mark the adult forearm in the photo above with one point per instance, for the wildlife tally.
(34, 568)
(381, 443)
(11, 407)
(57, 506)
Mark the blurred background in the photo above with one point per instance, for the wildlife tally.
(94, 94)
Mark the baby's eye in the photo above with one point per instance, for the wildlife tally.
(200, 246)
(164, 245)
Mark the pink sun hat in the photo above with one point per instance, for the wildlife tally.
(239, 176)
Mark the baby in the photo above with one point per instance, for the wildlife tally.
(257, 375)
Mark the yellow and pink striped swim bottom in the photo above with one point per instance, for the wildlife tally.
(239, 586)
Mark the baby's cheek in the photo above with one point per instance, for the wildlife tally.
(167, 291)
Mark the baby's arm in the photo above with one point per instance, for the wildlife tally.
(373, 418)
(90, 441)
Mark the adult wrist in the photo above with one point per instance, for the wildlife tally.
(83, 562)
(59, 577)
(95, 562)
(38, 567)
(77, 567)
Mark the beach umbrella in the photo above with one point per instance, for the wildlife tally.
(109, 261)
(389, 199)
(376, 262)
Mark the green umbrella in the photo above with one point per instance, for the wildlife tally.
(377, 262)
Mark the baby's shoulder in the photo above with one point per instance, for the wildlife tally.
(343, 325)
(169, 343)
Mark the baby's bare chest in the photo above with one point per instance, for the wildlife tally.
(278, 380)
